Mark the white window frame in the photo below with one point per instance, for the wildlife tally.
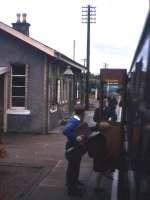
(18, 108)
(59, 91)
(62, 91)
(78, 92)
(53, 97)
(65, 91)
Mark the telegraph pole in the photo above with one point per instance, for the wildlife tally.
(88, 17)
(74, 49)
(105, 65)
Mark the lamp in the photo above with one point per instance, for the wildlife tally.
(68, 73)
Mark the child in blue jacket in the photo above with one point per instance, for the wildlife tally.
(74, 150)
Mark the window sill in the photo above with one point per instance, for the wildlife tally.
(18, 112)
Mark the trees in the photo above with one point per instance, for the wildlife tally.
(93, 85)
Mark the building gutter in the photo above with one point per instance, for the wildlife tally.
(69, 61)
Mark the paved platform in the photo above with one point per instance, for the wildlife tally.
(17, 180)
(35, 169)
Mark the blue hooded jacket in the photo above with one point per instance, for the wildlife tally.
(69, 129)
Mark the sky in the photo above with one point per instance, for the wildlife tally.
(58, 23)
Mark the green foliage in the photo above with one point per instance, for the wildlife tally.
(94, 81)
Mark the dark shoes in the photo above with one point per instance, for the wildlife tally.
(76, 192)
(78, 184)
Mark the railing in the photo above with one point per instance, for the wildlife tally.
(115, 185)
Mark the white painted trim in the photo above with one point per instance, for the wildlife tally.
(18, 112)
(26, 87)
(3, 70)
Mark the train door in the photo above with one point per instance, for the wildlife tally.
(112, 98)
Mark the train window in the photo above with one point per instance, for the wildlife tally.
(111, 88)
(145, 55)
(112, 99)
(112, 93)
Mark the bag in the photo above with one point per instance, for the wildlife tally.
(96, 146)
(106, 148)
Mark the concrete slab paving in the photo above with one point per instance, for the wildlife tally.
(17, 180)
(47, 153)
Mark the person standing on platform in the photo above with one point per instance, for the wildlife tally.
(75, 149)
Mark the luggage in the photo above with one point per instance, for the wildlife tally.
(114, 140)
(105, 148)
(96, 145)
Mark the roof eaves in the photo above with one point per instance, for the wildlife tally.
(67, 60)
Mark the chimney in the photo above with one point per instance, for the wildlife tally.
(24, 15)
(18, 17)
(23, 26)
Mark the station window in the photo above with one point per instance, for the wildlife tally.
(53, 93)
(18, 86)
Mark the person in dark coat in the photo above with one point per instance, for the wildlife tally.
(100, 114)
(112, 103)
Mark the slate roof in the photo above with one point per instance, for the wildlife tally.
(48, 50)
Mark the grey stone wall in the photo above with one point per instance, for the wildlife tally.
(13, 50)
(40, 70)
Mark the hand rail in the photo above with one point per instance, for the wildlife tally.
(115, 184)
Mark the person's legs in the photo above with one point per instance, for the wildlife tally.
(73, 169)
(72, 175)
(98, 181)
(112, 115)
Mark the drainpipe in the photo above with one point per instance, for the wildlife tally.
(45, 96)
